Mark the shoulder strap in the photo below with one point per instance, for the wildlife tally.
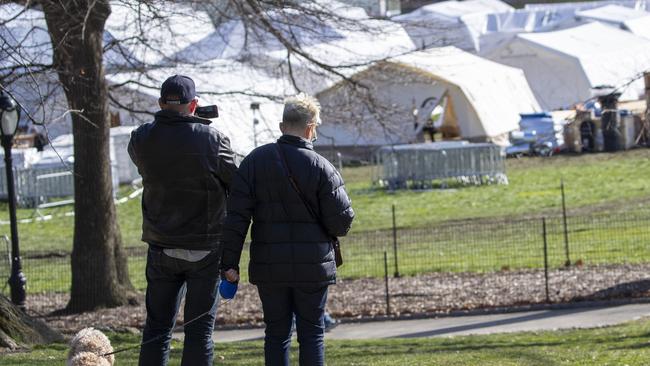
(294, 184)
(338, 258)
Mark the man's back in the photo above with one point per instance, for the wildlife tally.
(186, 168)
(288, 247)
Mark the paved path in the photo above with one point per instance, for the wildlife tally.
(588, 317)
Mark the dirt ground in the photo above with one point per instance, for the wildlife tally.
(366, 298)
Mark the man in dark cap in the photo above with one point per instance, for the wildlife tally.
(186, 168)
(297, 202)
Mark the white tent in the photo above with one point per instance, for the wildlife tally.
(482, 99)
(154, 40)
(563, 66)
(228, 84)
(342, 44)
(584, 5)
(379, 40)
(234, 40)
(450, 23)
(501, 27)
(639, 26)
(612, 14)
(636, 21)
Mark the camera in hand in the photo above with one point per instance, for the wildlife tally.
(208, 111)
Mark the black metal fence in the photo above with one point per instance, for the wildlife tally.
(447, 266)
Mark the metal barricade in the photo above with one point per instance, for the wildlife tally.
(422, 165)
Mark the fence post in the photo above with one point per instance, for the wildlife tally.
(386, 281)
(566, 230)
(396, 274)
(548, 299)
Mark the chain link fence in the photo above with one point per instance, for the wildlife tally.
(479, 263)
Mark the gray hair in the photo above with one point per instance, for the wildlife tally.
(301, 110)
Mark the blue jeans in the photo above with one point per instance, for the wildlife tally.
(168, 280)
(279, 305)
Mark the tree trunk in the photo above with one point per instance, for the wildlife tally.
(99, 271)
(17, 330)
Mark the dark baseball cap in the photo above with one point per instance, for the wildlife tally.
(177, 89)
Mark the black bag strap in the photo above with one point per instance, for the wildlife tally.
(294, 184)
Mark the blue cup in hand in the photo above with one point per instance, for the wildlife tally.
(227, 289)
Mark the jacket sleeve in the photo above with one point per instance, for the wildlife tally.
(241, 204)
(131, 149)
(222, 159)
(335, 205)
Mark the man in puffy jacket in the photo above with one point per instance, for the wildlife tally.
(291, 255)
(186, 168)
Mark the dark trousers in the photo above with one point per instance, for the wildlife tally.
(279, 305)
(168, 279)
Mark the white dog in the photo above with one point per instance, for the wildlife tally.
(88, 348)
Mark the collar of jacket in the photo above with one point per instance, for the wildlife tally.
(296, 141)
(167, 116)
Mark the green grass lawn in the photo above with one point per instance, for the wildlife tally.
(591, 179)
(596, 179)
(627, 344)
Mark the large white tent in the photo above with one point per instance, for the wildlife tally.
(341, 44)
(501, 27)
(563, 66)
(635, 21)
(152, 39)
(450, 23)
(638, 26)
(612, 14)
(230, 85)
(482, 99)
(584, 5)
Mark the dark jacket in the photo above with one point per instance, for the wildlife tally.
(288, 246)
(186, 168)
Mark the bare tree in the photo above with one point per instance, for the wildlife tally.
(78, 43)
(100, 276)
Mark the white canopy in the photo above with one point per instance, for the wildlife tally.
(228, 84)
(501, 27)
(584, 5)
(153, 39)
(27, 42)
(612, 14)
(456, 23)
(342, 45)
(482, 99)
(563, 66)
(639, 26)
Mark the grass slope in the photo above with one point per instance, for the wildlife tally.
(626, 344)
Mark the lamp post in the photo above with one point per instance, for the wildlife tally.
(255, 107)
(9, 115)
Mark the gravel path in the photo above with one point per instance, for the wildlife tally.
(424, 294)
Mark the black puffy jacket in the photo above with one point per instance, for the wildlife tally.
(186, 168)
(288, 247)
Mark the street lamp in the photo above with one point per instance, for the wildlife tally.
(255, 107)
(9, 115)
